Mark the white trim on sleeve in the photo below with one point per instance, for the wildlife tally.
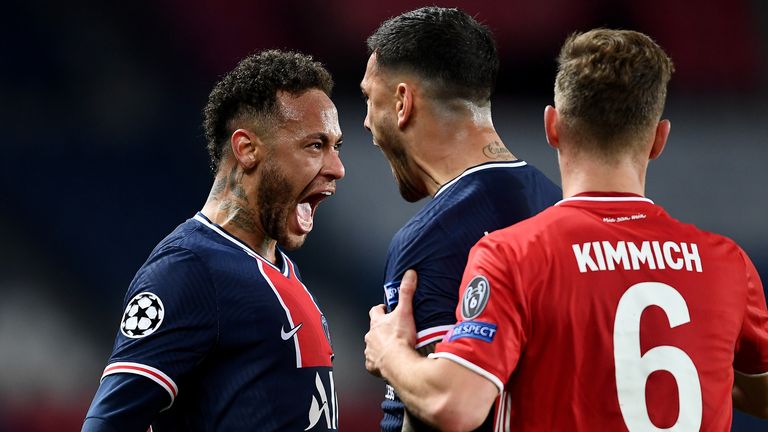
(471, 366)
(154, 374)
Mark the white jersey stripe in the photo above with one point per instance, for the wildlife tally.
(432, 334)
(238, 243)
(500, 412)
(604, 199)
(514, 164)
(154, 374)
(471, 366)
(287, 312)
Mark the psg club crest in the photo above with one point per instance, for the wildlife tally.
(475, 297)
(142, 316)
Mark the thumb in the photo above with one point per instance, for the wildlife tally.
(407, 289)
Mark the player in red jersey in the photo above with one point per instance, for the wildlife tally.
(602, 312)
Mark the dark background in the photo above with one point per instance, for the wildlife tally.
(102, 155)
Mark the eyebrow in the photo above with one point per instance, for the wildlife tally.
(324, 137)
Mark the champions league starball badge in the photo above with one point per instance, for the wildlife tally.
(142, 316)
(475, 297)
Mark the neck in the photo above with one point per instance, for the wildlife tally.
(585, 174)
(447, 147)
(231, 207)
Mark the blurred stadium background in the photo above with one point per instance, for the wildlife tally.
(103, 155)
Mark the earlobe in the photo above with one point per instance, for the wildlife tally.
(550, 126)
(660, 138)
(404, 104)
(245, 147)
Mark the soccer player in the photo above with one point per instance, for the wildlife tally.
(602, 313)
(218, 332)
(428, 85)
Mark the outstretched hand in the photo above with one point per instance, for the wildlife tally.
(389, 331)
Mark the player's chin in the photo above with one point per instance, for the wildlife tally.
(293, 239)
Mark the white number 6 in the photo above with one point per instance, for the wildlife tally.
(633, 369)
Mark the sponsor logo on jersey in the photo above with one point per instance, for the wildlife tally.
(474, 329)
(285, 335)
(142, 316)
(326, 407)
(475, 297)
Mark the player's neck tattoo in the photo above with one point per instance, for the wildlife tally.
(239, 216)
(496, 150)
(235, 183)
(218, 186)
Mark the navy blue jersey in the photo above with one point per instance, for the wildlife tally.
(437, 240)
(214, 337)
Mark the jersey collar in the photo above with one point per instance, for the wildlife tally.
(481, 167)
(606, 197)
(222, 232)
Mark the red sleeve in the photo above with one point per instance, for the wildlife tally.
(752, 347)
(492, 314)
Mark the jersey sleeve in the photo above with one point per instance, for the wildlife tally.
(437, 292)
(168, 326)
(124, 402)
(752, 347)
(492, 315)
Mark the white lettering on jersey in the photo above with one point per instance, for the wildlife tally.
(327, 407)
(627, 255)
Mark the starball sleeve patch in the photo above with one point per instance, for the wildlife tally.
(142, 316)
(475, 297)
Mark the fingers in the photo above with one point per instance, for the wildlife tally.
(376, 311)
(370, 364)
(407, 288)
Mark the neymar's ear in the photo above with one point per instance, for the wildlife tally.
(660, 138)
(247, 148)
(551, 125)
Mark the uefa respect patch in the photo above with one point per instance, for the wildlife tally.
(474, 329)
(392, 292)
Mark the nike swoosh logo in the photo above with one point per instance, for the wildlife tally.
(289, 334)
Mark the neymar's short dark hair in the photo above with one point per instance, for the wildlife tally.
(249, 93)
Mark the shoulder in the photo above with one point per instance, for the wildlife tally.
(529, 237)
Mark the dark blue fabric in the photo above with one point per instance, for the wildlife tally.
(437, 240)
(219, 341)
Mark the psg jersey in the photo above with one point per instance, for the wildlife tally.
(605, 313)
(214, 337)
(437, 240)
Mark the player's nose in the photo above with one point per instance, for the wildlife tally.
(366, 122)
(333, 167)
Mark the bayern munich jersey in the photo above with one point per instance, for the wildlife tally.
(603, 313)
(215, 338)
(436, 242)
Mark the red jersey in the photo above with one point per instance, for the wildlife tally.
(604, 313)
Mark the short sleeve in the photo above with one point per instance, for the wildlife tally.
(492, 314)
(752, 348)
(169, 321)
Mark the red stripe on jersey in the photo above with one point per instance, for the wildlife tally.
(430, 336)
(314, 347)
(140, 369)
